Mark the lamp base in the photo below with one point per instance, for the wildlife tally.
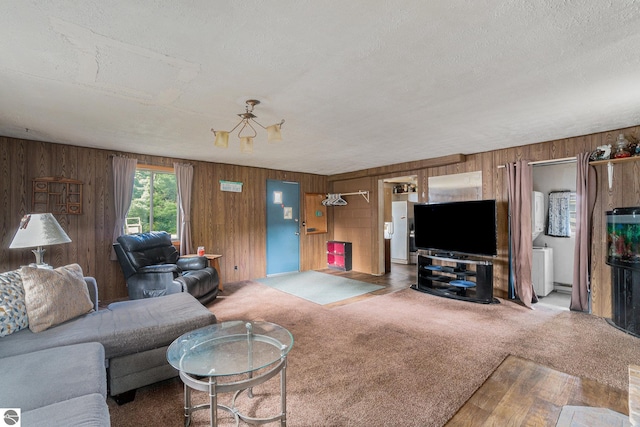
(39, 253)
(47, 266)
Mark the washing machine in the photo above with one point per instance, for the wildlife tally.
(542, 271)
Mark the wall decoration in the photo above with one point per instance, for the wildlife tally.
(234, 187)
(277, 197)
(456, 187)
(602, 152)
(288, 212)
(56, 195)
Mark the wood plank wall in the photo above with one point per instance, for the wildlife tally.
(353, 223)
(231, 224)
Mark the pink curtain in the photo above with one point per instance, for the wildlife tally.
(520, 187)
(184, 180)
(124, 173)
(585, 201)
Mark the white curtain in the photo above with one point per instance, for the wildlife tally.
(124, 172)
(184, 180)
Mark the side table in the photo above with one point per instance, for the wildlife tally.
(209, 359)
(213, 260)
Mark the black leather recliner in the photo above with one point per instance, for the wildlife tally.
(152, 268)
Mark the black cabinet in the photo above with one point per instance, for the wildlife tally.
(460, 278)
(339, 255)
(626, 299)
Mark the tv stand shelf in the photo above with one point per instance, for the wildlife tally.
(467, 279)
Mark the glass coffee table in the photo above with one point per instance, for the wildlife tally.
(251, 352)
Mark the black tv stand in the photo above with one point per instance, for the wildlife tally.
(458, 277)
(449, 255)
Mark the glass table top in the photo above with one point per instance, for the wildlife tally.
(229, 348)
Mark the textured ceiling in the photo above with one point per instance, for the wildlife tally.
(360, 83)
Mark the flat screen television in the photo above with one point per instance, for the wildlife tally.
(467, 227)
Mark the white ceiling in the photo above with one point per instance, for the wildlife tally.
(360, 83)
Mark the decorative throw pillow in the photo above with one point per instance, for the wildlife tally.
(13, 310)
(54, 296)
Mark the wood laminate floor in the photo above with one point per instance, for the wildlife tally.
(523, 393)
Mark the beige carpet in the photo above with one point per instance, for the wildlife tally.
(405, 358)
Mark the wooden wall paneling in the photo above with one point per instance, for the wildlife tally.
(197, 199)
(315, 245)
(227, 230)
(62, 161)
(399, 169)
(254, 232)
(501, 262)
(86, 247)
(232, 240)
(245, 254)
(600, 271)
(357, 222)
(215, 214)
(377, 232)
(7, 220)
(626, 193)
(230, 231)
(230, 224)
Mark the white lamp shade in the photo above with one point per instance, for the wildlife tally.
(273, 133)
(246, 144)
(39, 230)
(222, 139)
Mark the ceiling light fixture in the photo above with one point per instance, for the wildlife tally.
(246, 141)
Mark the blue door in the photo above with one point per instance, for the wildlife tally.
(283, 227)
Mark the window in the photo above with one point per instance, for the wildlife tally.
(154, 205)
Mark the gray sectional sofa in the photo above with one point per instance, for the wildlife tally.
(62, 375)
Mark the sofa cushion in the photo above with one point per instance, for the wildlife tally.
(13, 309)
(53, 375)
(90, 410)
(124, 328)
(54, 296)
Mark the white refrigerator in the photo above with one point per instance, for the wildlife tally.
(402, 217)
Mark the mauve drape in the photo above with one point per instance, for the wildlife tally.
(520, 187)
(184, 181)
(585, 202)
(124, 172)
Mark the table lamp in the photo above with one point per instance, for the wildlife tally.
(39, 230)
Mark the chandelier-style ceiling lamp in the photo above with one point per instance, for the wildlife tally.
(246, 141)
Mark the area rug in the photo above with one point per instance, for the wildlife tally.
(400, 359)
(580, 416)
(317, 287)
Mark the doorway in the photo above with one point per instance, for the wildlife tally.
(397, 197)
(283, 227)
(553, 256)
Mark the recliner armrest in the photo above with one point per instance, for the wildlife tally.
(193, 263)
(161, 268)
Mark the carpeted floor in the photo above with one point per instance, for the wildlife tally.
(405, 358)
(317, 287)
